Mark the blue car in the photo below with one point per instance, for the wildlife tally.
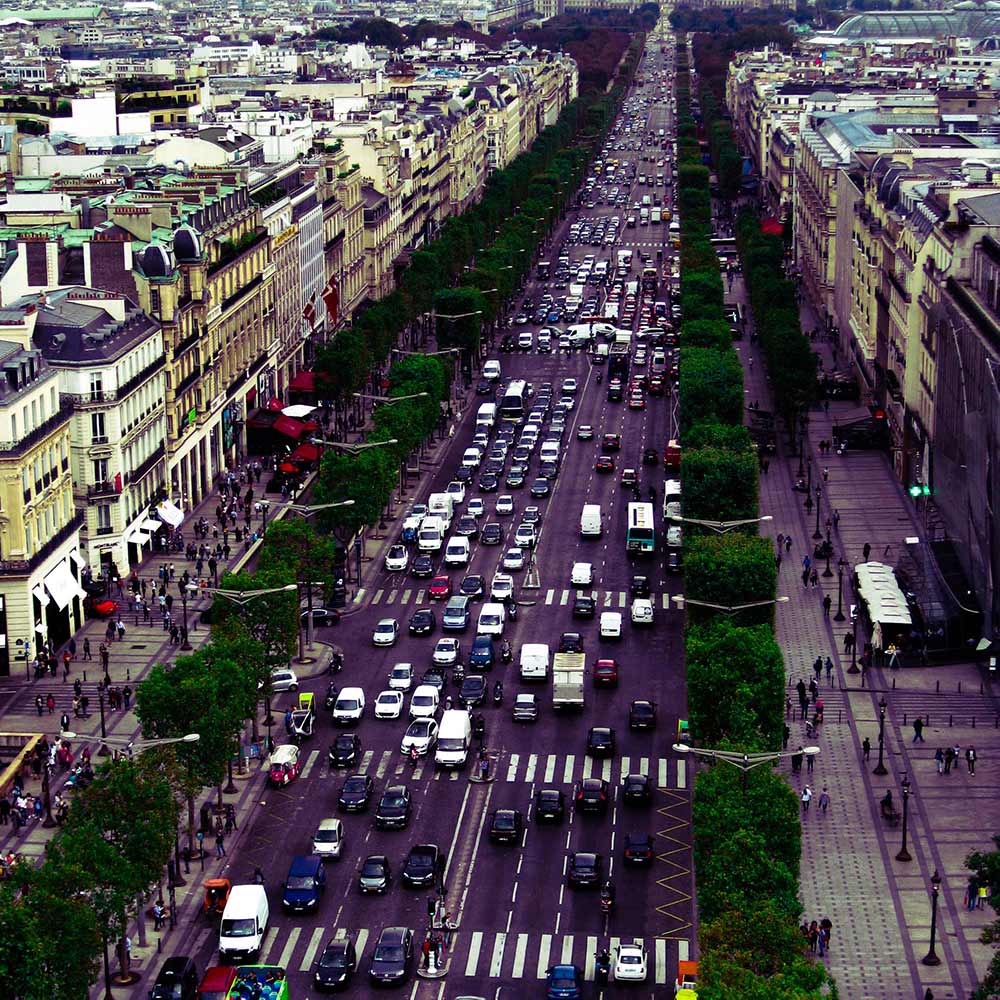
(564, 982)
(305, 884)
(481, 654)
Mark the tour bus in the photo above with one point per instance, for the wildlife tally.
(543, 270)
(640, 538)
(512, 404)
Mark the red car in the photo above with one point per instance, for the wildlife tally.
(605, 463)
(656, 386)
(440, 588)
(284, 765)
(606, 673)
(611, 442)
(636, 402)
(101, 607)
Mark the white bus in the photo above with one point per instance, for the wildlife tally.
(512, 404)
(641, 535)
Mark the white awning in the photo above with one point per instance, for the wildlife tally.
(881, 593)
(138, 538)
(40, 628)
(298, 410)
(150, 524)
(39, 591)
(78, 559)
(170, 513)
(61, 585)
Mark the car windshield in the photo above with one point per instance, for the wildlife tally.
(418, 729)
(504, 822)
(422, 700)
(401, 671)
(354, 785)
(344, 743)
(245, 927)
(300, 882)
(389, 953)
(393, 800)
(326, 837)
(333, 959)
(372, 868)
(347, 705)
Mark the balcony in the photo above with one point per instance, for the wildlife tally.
(23, 567)
(43, 430)
(136, 380)
(233, 250)
(143, 469)
(107, 488)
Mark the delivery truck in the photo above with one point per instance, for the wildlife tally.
(567, 681)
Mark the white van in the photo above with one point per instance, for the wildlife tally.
(544, 341)
(441, 506)
(534, 661)
(491, 371)
(456, 552)
(549, 452)
(491, 620)
(244, 923)
(349, 706)
(430, 537)
(454, 739)
(471, 458)
(590, 521)
(487, 414)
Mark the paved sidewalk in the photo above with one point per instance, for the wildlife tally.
(880, 907)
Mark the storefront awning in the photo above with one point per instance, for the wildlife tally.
(303, 382)
(275, 404)
(170, 513)
(78, 559)
(150, 524)
(305, 452)
(39, 592)
(289, 427)
(62, 585)
(298, 410)
(138, 538)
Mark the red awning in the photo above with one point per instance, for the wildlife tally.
(287, 468)
(305, 453)
(303, 382)
(772, 227)
(289, 427)
(251, 397)
(275, 404)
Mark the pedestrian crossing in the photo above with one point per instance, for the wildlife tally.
(532, 768)
(488, 953)
(605, 599)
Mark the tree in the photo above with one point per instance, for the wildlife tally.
(707, 333)
(460, 318)
(719, 485)
(711, 385)
(731, 570)
(985, 866)
(729, 437)
(368, 478)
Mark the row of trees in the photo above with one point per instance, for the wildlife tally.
(746, 827)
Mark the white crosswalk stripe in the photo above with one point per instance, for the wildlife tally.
(269, 938)
(550, 768)
(475, 944)
(310, 763)
(378, 596)
(289, 949)
(496, 962)
(406, 596)
(543, 957)
(519, 955)
(391, 599)
(310, 952)
(660, 967)
(605, 598)
(564, 598)
(360, 595)
(550, 596)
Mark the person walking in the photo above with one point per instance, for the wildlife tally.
(797, 761)
(939, 758)
(949, 759)
(824, 800)
(866, 551)
(918, 730)
(127, 696)
(818, 668)
(827, 604)
(39, 704)
(158, 915)
(809, 763)
(50, 702)
(814, 579)
(785, 734)
(866, 749)
(957, 750)
(828, 667)
(220, 843)
(970, 759)
(806, 798)
(86, 649)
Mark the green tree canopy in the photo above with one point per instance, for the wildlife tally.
(711, 385)
(731, 570)
(719, 485)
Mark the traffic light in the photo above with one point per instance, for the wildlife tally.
(919, 490)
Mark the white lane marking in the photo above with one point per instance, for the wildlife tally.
(366, 761)
(606, 770)
(383, 764)
(473, 960)
(512, 766)
(391, 599)
(666, 602)
(683, 950)
(421, 596)
(608, 598)
(588, 767)
(307, 958)
(564, 599)
(378, 596)
(682, 775)
(359, 944)
(268, 944)
(550, 768)
(293, 940)
(589, 959)
(644, 765)
(550, 596)
(662, 773)
(660, 948)
(519, 954)
(625, 765)
(405, 599)
(568, 769)
(622, 598)
(529, 774)
(567, 949)
(496, 963)
(543, 956)
(359, 596)
(310, 763)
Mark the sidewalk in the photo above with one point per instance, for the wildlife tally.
(880, 907)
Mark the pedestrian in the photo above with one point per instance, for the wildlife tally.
(957, 750)
(64, 723)
(231, 818)
(827, 604)
(847, 642)
(824, 800)
(866, 551)
(971, 894)
(928, 994)
(86, 649)
(918, 730)
(970, 759)
(813, 690)
(818, 668)
(785, 733)
(836, 519)
(780, 539)
(158, 915)
(939, 758)
(981, 897)
(801, 689)
(814, 579)
(949, 759)
(127, 696)
(788, 543)
(50, 702)
(806, 798)
(65, 668)
(805, 578)
(39, 704)
(220, 843)
(797, 761)
(866, 749)
(288, 722)
(826, 474)
(806, 562)
(77, 687)
(809, 763)
(258, 875)
(828, 667)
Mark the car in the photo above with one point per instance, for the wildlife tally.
(642, 611)
(476, 507)
(472, 586)
(525, 708)
(423, 621)
(638, 586)
(550, 805)
(393, 809)
(440, 588)
(540, 488)
(345, 750)
(321, 617)
(389, 704)
(392, 957)
(636, 401)
(349, 706)
(506, 826)
(466, 527)
(492, 534)
(397, 559)
(569, 386)
(433, 677)
(582, 574)
(484, 388)
(584, 606)
(584, 870)
(421, 734)
(532, 515)
(283, 765)
(356, 793)
(473, 691)
(176, 980)
(513, 559)
(564, 982)
(642, 715)
(525, 536)
(425, 699)
(520, 319)
(489, 482)
(502, 587)
(601, 741)
(638, 849)
(401, 677)
(328, 840)
(637, 789)
(516, 477)
(284, 679)
(611, 442)
(606, 673)
(422, 567)
(336, 965)
(604, 463)
(585, 432)
(630, 963)
(386, 632)
(571, 642)
(611, 625)
(504, 504)
(592, 795)
(422, 866)
(446, 651)
(630, 478)
(481, 655)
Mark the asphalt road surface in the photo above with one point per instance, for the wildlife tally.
(516, 916)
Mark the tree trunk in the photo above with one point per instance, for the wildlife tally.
(190, 824)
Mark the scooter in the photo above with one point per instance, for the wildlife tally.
(602, 967)
(506, 653)
(458, 673)
(498, 693)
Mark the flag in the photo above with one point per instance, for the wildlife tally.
(331, 298)
(309, 313)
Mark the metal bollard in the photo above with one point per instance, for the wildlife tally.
(894, 683)
(838, 716)
(950, 723)
(973, 722)
(904, 718)
(959, 687)
(937, 687)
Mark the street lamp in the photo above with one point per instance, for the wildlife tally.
(817, 534)
(185, 590)
(931, 958)
(880, 768)
(743, 762)
(680, 600)
(903, 854)
(839, 616)
(351, 448)
(130, 746)
(720, 527)
(389, 399)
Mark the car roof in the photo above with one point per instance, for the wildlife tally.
(286, 753)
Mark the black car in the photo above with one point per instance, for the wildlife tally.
(650, 456)
(345, 750)
(492, 534)
(638, 586)
(540, 488)
(464, 474)
(422, 622)
(393, 809)
(392, 956)
(330, 699)
(356, 793)
(585, 869)
(493, 467)
(484, 388)
(374, 875)
(489, 482)
(571, 642)
(515, 478)
(637, 789)
(336, 966)
(473, 691)
(550, 805)
(591, 795)
(638, 849)
(601, 741)
(434, 676)
(642, 715)
(422, 866)
(506, 826)
(422, 566)
(473, 586)
(177, 980)
(508, 343)
(467, 527)
(584, 606)
(547, 471)
(322, 617)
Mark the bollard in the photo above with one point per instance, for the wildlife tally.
(959, 687)
(950, 723)
(838, 716)
(159, 946)
(973, 722)
(85, 677)
(894, 683)
(937, 687)
(904, 720)
(980, 687)
(128, 673)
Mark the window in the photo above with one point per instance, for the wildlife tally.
(96, 384)
(100, 470)
(97, 428)
(104, 517)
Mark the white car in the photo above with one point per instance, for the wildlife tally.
(349, 706)
(611, 625)
(475, 507)
(524, 537)
(446, 652)
(457, 490)
(386, 632)
(642, 611)
(505, 504)
(420, 733)
(630, 963)
(585, 432)
(502, 587)
(582, 575)
(389, 705)
(328, 840)
(424, 702)
(401, 677)
(284, 680)
(568, 402)
(397, 559)
(513, 559)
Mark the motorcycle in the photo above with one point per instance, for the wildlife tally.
(600, 378)
(458, 673)
(337, 663)
(607, 897)
(498, 693)
(602, 967)
(506, 653)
